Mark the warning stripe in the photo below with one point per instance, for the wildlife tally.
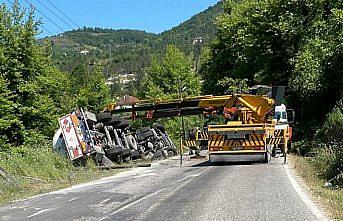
(258, 140)
(220, 138)
(278, 133)
(202, 135)
(275, 140)
(253, 141)
(190, 143)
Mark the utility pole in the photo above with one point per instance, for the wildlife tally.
(183, 133)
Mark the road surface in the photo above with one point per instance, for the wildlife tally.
(196, 191)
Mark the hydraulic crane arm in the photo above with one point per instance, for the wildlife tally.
(257, 105)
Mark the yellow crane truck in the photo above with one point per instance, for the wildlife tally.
(254, 129)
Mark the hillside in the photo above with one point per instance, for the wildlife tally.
(130, 51)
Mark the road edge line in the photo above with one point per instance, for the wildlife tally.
(305, 196)
(130, 204)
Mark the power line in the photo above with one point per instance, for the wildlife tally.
(47, 30)
(55, 14)
(53, 5)
(45, 16)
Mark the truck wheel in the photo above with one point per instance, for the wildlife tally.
(158, 155)
(267, 157)
(135, 155)
(285, 158)
(132, 142)
(104, 117)
(113, 153)
(171, 153)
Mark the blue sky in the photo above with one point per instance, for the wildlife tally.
(148, 15)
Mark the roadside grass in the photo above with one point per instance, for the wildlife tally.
(37, 171)
(330, 198)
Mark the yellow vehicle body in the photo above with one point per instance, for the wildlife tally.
(244, 142)
(250, 137)
(249, 134)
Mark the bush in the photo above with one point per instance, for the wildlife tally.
(332, 130)
(35, 160)
(329, 162)
(304, 147)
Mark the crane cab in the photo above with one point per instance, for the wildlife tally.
(280, 115)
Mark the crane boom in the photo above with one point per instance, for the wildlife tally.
(255, 106)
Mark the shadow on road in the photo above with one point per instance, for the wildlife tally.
(207, 163)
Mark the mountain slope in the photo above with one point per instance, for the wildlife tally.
(199, 26)
(130, 51)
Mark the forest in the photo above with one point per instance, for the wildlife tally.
(130, 51)
(297, 44)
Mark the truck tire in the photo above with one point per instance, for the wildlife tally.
(132, 142)
(160, 127)
(267, 157)
(158, 155)
(104, 117)
(114, 121)
(171, 153)
(113, 153)
(135, 155)
(126, 153)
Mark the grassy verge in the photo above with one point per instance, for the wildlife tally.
(37, 171)
(330, 198)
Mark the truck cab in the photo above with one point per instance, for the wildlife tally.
(280, 115)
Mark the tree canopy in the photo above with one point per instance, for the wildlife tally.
(173, 77)
(293, 43)
(34, 93)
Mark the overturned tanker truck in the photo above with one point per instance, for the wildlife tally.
(256, 127)
(108, 138)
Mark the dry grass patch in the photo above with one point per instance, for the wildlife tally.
(330, 198)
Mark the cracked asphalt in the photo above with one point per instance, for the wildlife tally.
(195, 191)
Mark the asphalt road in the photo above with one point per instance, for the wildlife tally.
(196, 191)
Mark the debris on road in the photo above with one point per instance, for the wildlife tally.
(125, 166)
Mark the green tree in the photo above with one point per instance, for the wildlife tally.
(172, 77)
(294, 43)
(332, 129)
(38, 94)
(8, 121)
(88, 87)
(233, 86)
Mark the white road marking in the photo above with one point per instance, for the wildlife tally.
(148, 171)
(131, 204)
(189, 176)
(72, 199)
(181, 180)
(20, 207)
(144, 175)
(37, 213)
(104, 201)
(83, 186)
(304, 197)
